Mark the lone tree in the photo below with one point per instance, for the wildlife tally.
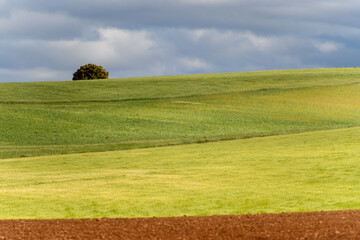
(90, 71)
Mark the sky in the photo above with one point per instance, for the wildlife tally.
(44, 40)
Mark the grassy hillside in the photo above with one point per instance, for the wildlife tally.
(172, 86)
(302, 172)
(63, 117)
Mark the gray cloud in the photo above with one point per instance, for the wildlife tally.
(23, 24)
(261, 15)
(49, 40)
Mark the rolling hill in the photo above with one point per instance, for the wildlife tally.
(45, 118)
(145, 147)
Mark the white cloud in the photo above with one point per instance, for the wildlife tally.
(126, 53)
(114, 46)
(129, 45)
(326, 47)
(118, 49)
(237, 40)
(260, 42)
(193, 64)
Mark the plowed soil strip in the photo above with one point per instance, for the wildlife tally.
(315, 225)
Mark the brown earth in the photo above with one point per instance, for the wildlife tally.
(316, 225)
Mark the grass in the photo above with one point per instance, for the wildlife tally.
(47, 118)
(289, 173)
(172, 86)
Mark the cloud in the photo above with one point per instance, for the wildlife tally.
(193, 64)
(114, 48)
(126, 53)
(261, 16)
(327, 47)
(235, 39)
(22, 24)
(113, 45)
(51, 39)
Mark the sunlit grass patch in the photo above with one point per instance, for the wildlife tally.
(301, 172)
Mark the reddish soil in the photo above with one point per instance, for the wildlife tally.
(316, 225)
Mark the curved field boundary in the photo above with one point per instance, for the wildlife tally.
(47, 129)
(154, 98)
(311, 225)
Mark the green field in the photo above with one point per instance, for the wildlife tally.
(301, 172)
(85, 116)
(292, 144)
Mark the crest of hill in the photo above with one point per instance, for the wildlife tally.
(172, 86)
